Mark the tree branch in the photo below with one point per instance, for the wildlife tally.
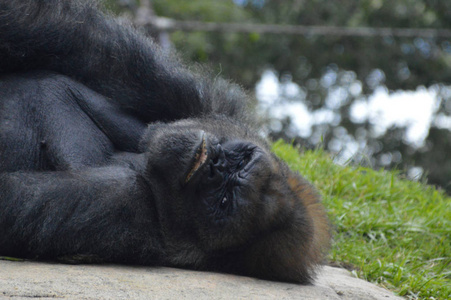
(166, 24)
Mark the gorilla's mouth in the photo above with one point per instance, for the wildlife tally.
(200, 157)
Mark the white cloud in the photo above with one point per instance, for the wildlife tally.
(412, 109)
(267, 89)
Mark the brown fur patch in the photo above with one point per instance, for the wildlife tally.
(315, 210)
(292, 251)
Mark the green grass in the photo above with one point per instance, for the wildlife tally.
(389, 230)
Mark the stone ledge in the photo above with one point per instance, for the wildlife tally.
(21, 280)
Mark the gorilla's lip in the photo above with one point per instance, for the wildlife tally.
(199, 158)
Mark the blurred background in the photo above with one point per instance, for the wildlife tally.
(368, 80)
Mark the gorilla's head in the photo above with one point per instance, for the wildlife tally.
(226, 203)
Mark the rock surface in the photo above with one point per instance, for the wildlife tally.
(20, 280)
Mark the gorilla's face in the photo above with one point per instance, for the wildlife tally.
(225, 203)
(216, 187)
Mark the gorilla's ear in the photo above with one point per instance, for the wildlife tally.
(292, 252)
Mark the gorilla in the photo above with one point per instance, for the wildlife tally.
(113, 151)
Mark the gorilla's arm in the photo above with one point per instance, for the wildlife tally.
(75, 39)
(105, 213)
(50, 122)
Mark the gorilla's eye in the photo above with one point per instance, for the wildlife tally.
(241, 164)
(224, 203)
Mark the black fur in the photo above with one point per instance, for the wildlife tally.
(113, 151)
